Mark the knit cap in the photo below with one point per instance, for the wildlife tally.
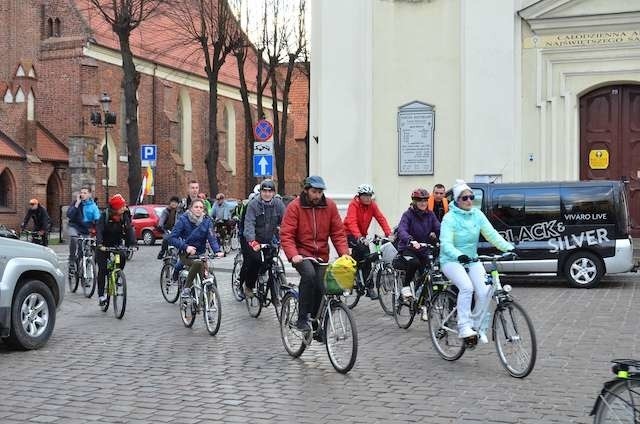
(459, 187)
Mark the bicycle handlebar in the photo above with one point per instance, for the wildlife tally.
(315, 260)
(117, 249)
(494, 258)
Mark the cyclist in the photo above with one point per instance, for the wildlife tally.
(362, 209)
(166, 222)
(417, 225)
(190, 235)
(459, 234)
(261, 223)
(192, 194)
(437, 202)
(83, 214)
(308, 223)
(221, 214)
(41, 221)
(114, 228)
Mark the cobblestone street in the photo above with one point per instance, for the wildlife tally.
(149, 368)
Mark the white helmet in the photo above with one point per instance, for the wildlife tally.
(365, 189)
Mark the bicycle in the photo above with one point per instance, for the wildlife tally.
(224, 230)
(430, 277)
(236, 284)
(619, 399)
(83, 270)
(271, 280)
(32, 236)
(203, 296)
(332, 325)
(116, 287)
(511, 327)
(381, 273)
(169, 287)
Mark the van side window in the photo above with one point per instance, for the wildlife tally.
(508, 207)
(541, 205)
(588, 205)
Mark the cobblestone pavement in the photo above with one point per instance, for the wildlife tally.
(149, 368)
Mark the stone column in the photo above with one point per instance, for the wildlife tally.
(83, 162)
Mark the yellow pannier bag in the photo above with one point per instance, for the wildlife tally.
(340, 275)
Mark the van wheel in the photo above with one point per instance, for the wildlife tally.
(583, 270)
(33, 316)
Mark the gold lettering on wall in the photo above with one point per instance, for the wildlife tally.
(584, 39)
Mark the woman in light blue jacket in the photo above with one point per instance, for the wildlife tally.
(459, 234)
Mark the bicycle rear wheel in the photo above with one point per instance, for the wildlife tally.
(341, 337)
(212, 307)
(88, 279)
(353, 297)
(515, 339)
(236, 285)
(120, 295)
(169, 288)
(384, 284)
(188, 310)
(292, 338)
(616, 405)
(443, 324)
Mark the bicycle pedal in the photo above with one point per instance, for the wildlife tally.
(471, 342)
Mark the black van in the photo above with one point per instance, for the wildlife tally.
(576, 229)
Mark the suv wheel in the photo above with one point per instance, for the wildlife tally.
(33, 316)
(583, 270)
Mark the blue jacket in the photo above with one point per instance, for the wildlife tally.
(186, 233)
(460, 232)
(85, 215)
(417, 225)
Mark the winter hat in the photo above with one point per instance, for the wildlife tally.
(459, 187)
(117, 202)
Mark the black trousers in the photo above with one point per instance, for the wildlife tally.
(311, 287)
(412, 265)
(101, 261)
(359, 252)
(251, 263)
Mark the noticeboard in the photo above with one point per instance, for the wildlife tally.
(416, 123)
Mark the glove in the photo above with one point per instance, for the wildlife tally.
(102, 248)
(254, 245)
(464, 259)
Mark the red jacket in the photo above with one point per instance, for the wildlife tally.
(305, 229)
(359, 218)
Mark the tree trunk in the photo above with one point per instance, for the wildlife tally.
(248, 123)
(285, 117)
(211, 160)
(278, 143)
(131, 81)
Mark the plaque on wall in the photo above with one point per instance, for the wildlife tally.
(415, 138)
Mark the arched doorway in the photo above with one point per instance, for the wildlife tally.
(54, 196)
(610, 126)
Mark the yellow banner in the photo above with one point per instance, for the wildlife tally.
(583, 39)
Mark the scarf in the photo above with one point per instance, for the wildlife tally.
(194, 219)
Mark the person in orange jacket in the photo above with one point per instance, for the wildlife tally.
(362, 209)
(437, 202)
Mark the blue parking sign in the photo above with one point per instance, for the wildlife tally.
(148, 152)
(262, 165)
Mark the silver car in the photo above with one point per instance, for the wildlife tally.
(31, 290)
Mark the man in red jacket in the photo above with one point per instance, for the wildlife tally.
(361, 211)
(308, 222)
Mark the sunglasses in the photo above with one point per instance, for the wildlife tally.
(467, 197)
(32, 204)
(266, 189)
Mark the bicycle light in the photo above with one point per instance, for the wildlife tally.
(506, 288)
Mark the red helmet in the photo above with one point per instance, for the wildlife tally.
(419, 193)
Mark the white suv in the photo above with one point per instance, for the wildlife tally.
(31, 290)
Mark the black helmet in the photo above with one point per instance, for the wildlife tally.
(268, 185)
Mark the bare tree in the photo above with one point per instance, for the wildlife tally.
(124, 16)
(212, 26)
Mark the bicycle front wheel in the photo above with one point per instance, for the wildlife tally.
(169, 288)
(616, 405)
(212, 307)
(443, 324)
(87, 278)
(236, 285)
(72, 276)
(120, 295)
(254, 304)
(384, 283)
(292, 338)
(341, 337)
(188, 310)
(515, 339)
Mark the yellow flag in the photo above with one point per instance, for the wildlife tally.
(148, 189)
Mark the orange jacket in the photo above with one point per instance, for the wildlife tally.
(359, 218)
(431, 204)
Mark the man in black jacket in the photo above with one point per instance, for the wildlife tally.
(41, 222)
(166, 222)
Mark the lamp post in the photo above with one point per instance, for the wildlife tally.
(106, 122)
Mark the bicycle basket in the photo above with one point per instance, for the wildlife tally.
(388, 252)
(340, 276)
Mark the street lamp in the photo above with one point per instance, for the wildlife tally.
(107, 122)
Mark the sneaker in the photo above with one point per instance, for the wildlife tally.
(186, 292)
(102, 300)
(372, 293)
(406, 292)
(248, 293)
(302, 324)
(467, 332)
(482, 337)
(425, 314)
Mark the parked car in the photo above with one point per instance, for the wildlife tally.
(579, 230)
(31, 290)
(145, 222)
(8, 233)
